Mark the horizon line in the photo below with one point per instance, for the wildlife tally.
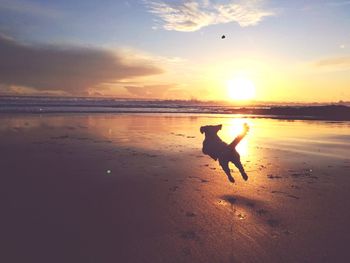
(246, 102)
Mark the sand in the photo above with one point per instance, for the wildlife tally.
(137, 188)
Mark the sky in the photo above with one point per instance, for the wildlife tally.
(288, 51)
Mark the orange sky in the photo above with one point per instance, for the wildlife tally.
(288, 51)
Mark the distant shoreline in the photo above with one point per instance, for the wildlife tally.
(30, 105)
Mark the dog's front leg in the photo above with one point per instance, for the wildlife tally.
(224, 165)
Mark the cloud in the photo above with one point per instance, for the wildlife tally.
(73, 70)
(166, 91)
(335, 63)
(194, 15)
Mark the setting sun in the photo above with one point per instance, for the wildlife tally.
(241, 88)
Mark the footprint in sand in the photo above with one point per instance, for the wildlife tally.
(190, 214)
(241, 216)
(287, 232)
(250, 204)
(262, 211)
(190, 235)
(174, 188)
(60, 137)
(285, 194)
(303, 173)
(273, 222)
(270, 176)
(82, 138)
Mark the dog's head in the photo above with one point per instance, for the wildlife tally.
(210, 130)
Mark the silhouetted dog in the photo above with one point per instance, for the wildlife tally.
(219, 150)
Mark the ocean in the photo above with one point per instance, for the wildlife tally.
(13, 104)
(42, 105)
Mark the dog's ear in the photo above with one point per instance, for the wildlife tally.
(201, 129)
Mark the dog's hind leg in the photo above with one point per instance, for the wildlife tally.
(240, 167)
(224, 165)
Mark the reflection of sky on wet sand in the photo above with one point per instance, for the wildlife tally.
(135, 157)
(166, 132)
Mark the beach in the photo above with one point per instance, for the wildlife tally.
(83, 187)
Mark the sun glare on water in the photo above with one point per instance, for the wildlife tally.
(241, 89)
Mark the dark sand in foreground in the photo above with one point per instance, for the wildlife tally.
(137, 188)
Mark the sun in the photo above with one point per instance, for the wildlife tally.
(241, 88)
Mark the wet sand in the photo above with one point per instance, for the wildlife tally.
(137, 188)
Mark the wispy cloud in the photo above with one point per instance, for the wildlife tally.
(164, 91)
(194, 14)
(334, 63)
(72, 70)
(149, 91)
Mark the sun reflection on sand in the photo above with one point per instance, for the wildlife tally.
(178, 133)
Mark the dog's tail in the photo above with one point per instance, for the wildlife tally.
(236, 141)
